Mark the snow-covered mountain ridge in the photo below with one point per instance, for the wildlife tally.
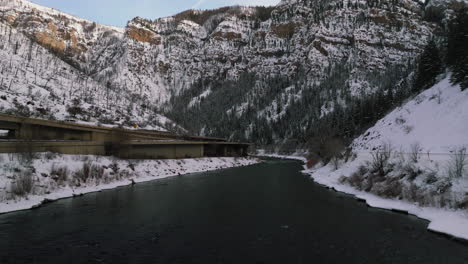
(47, 63)
(154, 63)
(230, 40)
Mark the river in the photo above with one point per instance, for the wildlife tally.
(266, 213)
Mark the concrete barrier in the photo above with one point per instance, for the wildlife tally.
(30, 135)
(130, 149)
(39, 129)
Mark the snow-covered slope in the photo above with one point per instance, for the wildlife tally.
(303, 56)
(412, 160)
(47, 70)
(436, 119)
(35, 82)
(27, 184)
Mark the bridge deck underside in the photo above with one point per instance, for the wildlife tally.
(129, 150)
(35, 135)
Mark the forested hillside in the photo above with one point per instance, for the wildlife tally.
(339, 66)
(342, 84)
(310, 74)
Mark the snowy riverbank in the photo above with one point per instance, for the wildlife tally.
(27, 183)
(442, 220)
(413, 160)
(453, 223)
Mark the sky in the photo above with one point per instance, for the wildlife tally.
(119, 12)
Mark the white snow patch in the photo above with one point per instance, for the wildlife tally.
(446, 221)
(116, 173)
(437, 119)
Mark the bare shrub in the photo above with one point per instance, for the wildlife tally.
(408, 129)
(23, 184)
(401, 157)
(393, 188)
(131, 165)
(363, 170)
(115, 167)
(356, 180)
(312, 160)
(445, 201)
(380, 158)
(457, 164)
(327, 148)
(26, 158)
(443, 186)
(414, 193)
(89, 172)
(389, 188)
(411, 172)
(431, 178)
(59, 174)
(124, 174)
(97, 172)
(343, 179)
(463, 204)
(84, 173)
(367, 184)
(400, 120)
(415, 148)
(335, 162)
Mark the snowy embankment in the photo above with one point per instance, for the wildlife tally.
(28, 182)
(410, 161)
(295, 156)
(442, 220)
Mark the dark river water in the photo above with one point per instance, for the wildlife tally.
(267, 213)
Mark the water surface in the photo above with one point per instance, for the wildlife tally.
(267, 213)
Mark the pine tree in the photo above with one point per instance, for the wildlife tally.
(429, 67)
(457, 57)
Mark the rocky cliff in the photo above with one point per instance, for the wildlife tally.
(183, 62)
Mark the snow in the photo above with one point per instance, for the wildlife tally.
(445, 221)
(144, 74)
(450, 222)
(436, 119)
(296, 156)
(36, 81)
(282, 102)
(24, 5)
(116, 173)
(197, 99)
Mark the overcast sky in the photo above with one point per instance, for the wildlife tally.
(118, 12)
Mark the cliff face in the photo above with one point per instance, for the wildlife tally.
(153, 62)
(308, 34)
(57, 66)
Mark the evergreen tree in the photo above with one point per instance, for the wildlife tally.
(457, 57)
(429, 66)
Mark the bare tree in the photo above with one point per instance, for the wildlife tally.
(335, 162)
(458, 163)
(415, 148)
(381, 157)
